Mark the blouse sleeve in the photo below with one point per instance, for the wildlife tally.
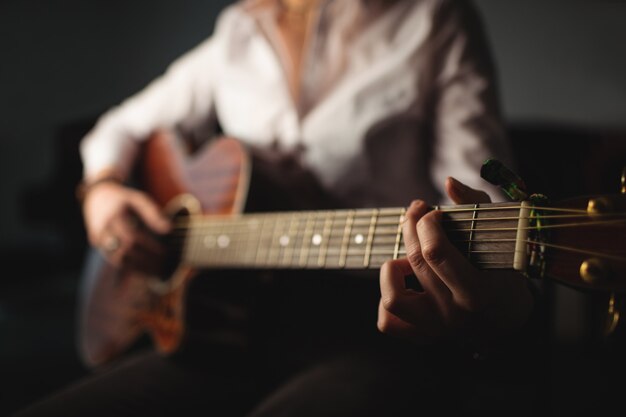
(468, 124)
(181, 97)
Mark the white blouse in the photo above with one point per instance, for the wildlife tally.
(393, 99)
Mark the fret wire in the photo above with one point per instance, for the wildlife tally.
(283, 227)
(370, 238)
(218, 252)
(261, 227)
(208, 245)
(247, 245)
(201, 246)
(290, 249)
(328, 221)
(346, 238)
(306, 239)
(471, 236)
(285, 240)
(278, 232)
(271, 252)
(315, 240)
(275, 248)
(398, 238)
(294, 233)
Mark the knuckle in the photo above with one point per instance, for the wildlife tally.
(433, 252)
(392, 304)
(415, 258)
(384, 324)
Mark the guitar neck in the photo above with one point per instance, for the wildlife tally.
(488, 235)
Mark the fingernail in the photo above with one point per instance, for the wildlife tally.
(458, 184)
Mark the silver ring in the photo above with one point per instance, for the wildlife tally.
(111, 244)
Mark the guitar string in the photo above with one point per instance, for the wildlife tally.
(365, 214)
(182, 230)
(219, 219)
(389, 251)
(382, 234)
(334, 251)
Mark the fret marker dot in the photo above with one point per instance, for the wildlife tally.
(209, 242)
(317, 239)
(223, 241)
(358, 239)
(284, 240)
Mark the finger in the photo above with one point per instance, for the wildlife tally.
(427, 330)
(149, 212)
(429, 280)
(462, 194)
(447, 262)
(125, 228)
(392, 325)
(413, 307)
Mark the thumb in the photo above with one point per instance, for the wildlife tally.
(149, 212)
(462, 194)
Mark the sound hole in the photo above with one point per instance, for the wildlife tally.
(174, 242)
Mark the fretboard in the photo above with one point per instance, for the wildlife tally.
(342, 239)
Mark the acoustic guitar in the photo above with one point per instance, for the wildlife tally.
(579, 242)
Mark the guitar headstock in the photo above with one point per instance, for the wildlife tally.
(580, 242)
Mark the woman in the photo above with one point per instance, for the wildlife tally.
(380, 101)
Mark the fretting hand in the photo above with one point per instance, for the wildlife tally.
(458, 301)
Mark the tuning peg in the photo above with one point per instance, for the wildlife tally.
(615, 303)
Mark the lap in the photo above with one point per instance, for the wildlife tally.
(149, 384)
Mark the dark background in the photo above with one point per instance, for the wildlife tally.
(562, 69)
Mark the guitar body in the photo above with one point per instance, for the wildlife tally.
(118, 306)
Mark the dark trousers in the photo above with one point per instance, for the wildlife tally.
(312, 350)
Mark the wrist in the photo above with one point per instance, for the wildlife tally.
(88, 184)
